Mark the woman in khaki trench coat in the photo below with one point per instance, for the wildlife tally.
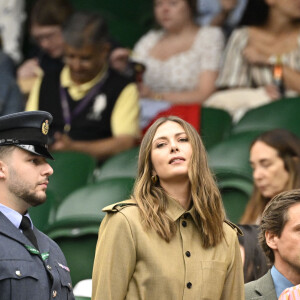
(171, 240)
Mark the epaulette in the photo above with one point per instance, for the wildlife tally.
(234, 227)
(119, 206)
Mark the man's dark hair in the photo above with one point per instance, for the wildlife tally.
(85, 28)
(275, 216)
(50, 12)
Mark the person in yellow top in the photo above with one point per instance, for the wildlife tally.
(95, 109)
(171, 240)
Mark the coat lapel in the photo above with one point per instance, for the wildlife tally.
(7, 228)
(265, 287)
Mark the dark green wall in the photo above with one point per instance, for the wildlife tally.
(128, 20)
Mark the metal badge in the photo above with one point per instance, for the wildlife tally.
(45, 127)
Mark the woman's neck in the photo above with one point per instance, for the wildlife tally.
(279, 24)
(180, 191)
(189, 28)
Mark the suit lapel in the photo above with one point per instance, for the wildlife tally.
(265, 287)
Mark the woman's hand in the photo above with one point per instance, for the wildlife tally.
(145, 91)
(62, 142)
(30, 68)
(254, 56)
(119, 59)
(272, 91)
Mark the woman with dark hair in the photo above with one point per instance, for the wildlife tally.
(275, 159)
(254, 260)
(181, 59)
(47, 18)
(171, 240)
(262, 58)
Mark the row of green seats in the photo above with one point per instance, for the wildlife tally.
(227, 146)
(78, 215)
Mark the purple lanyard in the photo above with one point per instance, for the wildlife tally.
(67, 114)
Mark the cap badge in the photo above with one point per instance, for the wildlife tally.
(45, 127)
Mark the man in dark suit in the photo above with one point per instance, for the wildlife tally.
(280, 240)
(32, 266)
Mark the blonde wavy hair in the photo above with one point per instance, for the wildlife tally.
(152, 198)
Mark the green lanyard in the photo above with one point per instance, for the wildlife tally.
(34, 251)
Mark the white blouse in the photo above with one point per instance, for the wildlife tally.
(181, 71)
(237, 72)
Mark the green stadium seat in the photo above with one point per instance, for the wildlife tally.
(235, 195)
(123, 164)
(215, 125)
(44, 214)
(229, 161)
(96, 196)
(72, 170)
(231, 156)
(283, 113)
(77, 222)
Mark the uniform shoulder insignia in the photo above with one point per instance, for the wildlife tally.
(234, 227)
(119, 206)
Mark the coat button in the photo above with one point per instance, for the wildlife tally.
(188, 253)
(54, 293)
(186, 216)
(184, 223)
(189, 285)
(18, 273)
(49, 268)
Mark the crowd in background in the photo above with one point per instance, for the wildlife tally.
(228, 54)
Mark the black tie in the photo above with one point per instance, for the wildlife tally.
(28, 232)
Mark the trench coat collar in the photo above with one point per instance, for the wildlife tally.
(175, 210)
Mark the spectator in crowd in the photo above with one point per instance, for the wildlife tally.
(12, 18)
(262, 58)
(223, 13)
(11, 99)
(181, 59)
(254, 259)
(95, 109)
(47, 18)
(275, 159)
(32, 265)
(280, 240)
(171, 241)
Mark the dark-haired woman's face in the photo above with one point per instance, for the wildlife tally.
(172, 14)
(269, 173)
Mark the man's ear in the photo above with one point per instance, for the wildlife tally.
(271, 239)
(3, 169)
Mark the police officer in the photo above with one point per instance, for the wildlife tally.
(32, 266)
